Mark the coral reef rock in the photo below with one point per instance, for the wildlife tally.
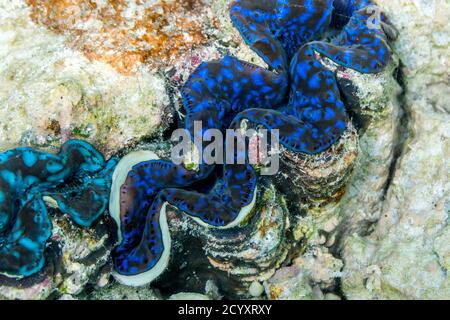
(51, 92)
(402, 253)
(307, 278)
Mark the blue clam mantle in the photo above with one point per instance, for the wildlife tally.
(296, 95)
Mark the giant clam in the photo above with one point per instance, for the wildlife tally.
(77, 180)
(297, 94)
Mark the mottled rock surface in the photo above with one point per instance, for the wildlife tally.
(404, 254)
(120, 292)
(52, 92)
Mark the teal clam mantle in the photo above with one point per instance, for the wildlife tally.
(78, 179)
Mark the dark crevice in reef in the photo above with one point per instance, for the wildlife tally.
(336, 251)
(349, 95)
(338, 289)
(402, 129)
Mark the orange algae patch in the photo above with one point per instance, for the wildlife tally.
(126, 33)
